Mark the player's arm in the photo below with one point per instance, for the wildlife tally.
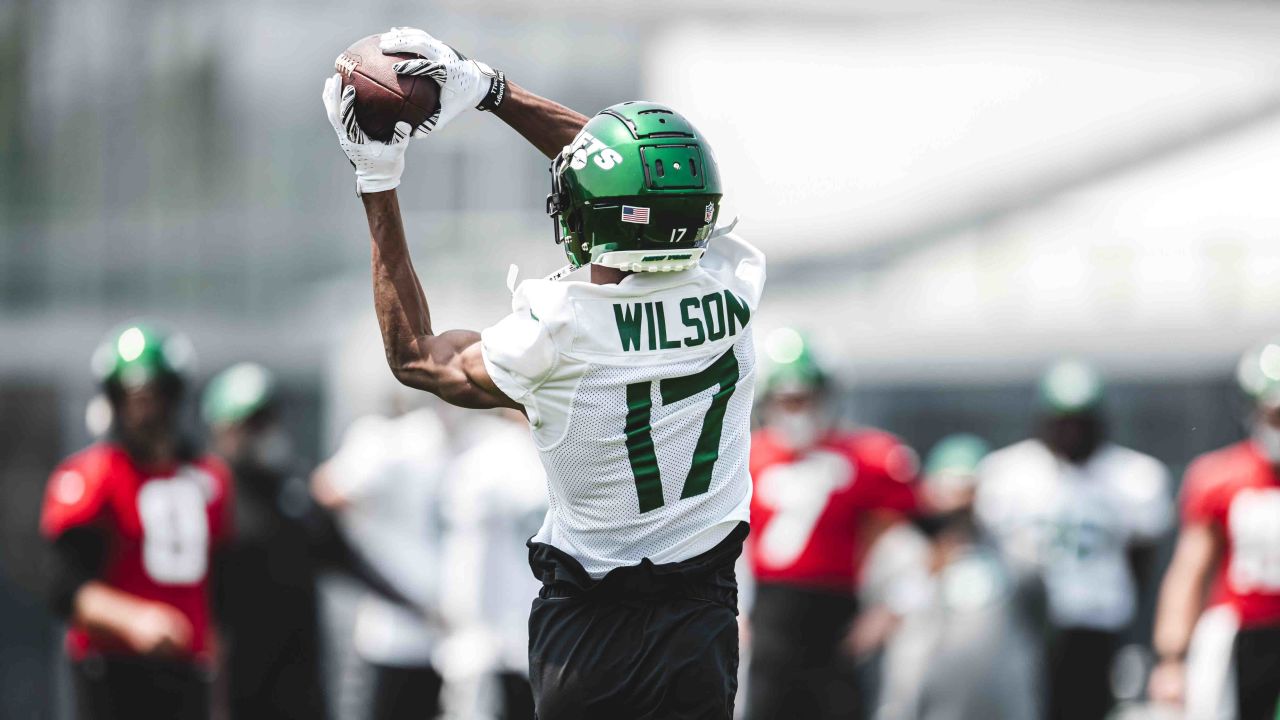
(146, 627)
(546, 124)
(1182, 599)
(466, 84)
(448, 365)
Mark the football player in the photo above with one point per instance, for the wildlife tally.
(134, 521)
(283, 541)
(967, 647)
(1085, 515)
(384, 482)
(495, 500)
(636, 382)
(822, 498)
(1230, 542)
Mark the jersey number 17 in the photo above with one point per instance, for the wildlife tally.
(640, 450)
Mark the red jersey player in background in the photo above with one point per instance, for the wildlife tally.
(1228, 554)
(134, 521)
(821, 498)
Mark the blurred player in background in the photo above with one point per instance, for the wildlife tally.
(822, 498)
(1228, 554)
(266, 590)
(1085, 514)
(636, 383)
(284, 540)
(495, 501)
(384, 482)
(135, 521)
(968, 645)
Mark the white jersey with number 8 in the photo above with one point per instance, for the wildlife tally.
(639, 395)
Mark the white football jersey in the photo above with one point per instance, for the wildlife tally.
(494, 501)
(389, 471)
(639, 396)
(1074, 524)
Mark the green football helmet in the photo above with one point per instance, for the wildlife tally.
(1258, 374)
(790, 366)
(957, 454)
(637, 190)
(1070, 387)
(138, 353)
(237, 393)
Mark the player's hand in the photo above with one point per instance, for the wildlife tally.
(1168, 683)
(159, 630)
(464, 83)
(378, 165)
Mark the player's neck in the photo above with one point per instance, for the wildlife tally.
(601, 275)
(152, 450)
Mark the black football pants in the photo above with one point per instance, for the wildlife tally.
(1257, 660)
(648, 642)
(140, 689)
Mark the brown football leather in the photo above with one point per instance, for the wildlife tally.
(384, 98)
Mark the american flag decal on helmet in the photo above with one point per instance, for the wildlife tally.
(711, 211)
(633, 214)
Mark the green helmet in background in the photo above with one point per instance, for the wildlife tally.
(1258, 374)
(237, 393)
(1070, 387)
(637, 190)
(957, 455)
(790, 365)
(139, 353)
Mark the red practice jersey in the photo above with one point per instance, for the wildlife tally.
(808, 510)
(1237, 491)
(161, 525)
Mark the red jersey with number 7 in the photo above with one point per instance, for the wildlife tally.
(1237, 491)
(161, 525)
(809, 509)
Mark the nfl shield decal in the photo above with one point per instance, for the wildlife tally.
(711, 210)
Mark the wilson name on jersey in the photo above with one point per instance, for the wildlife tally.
(639, 396)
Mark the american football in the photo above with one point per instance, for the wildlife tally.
(384, 98)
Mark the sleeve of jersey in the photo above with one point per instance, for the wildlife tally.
(891, 483)
(1151, 497)
(1202, 500)
(519, 352)
(358, 467)
(74, 497)
(222, 525)
(738, 265)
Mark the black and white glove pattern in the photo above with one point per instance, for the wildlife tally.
(378, 165)
(464, 83)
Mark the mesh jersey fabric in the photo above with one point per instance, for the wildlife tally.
(639, 396)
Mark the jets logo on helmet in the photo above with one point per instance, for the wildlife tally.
(587, 146)
(638, 182)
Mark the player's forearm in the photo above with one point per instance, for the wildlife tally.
(1180, 605)
(546, 124)
(1182, 594)
(102, 609)
(401, 306)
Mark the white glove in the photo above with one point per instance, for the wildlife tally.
(464, 83)
(378, 165)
